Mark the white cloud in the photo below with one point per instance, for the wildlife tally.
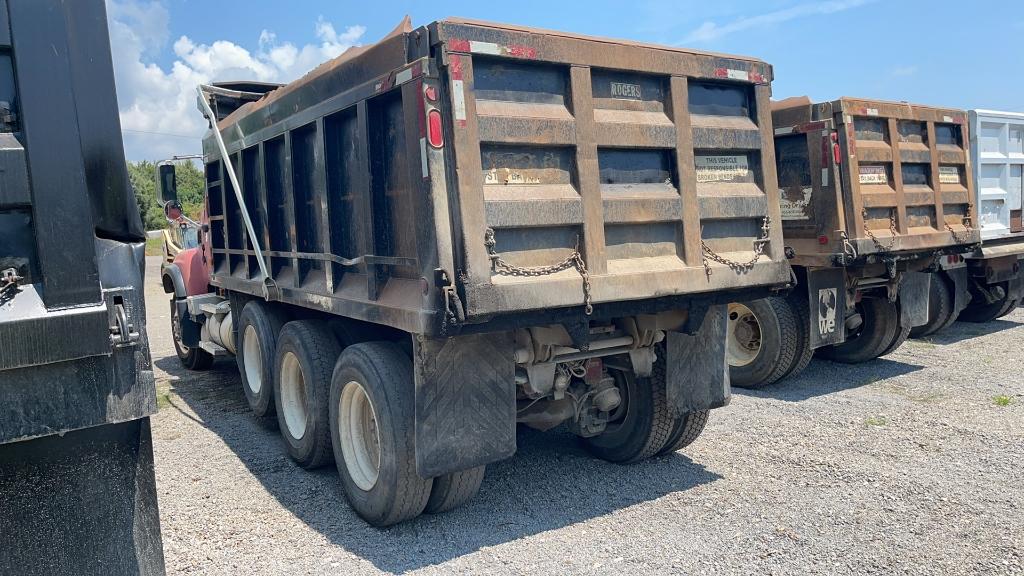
(709, 31)
(158, 106)
(903, 71)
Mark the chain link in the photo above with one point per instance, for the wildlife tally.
(574, 260)
(739, 267)
(892, 230)
(967, 228)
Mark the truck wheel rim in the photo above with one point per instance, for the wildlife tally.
(360, 438)
(176, 332)
(293, 396)
(252, 359)
(744, 335)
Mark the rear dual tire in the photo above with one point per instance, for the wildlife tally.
(645, 425)
(879, 334)
(980, 311)
(258, 328)
(940, 308)
(783, 340)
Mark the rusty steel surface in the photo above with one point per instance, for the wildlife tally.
(655, 165)
(892, 178)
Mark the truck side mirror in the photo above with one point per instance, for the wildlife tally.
(167, 186)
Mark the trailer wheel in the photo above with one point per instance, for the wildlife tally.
(761, 342)
(453, 490)
(643, 423)
(372, 413)
(940, 308)
(191, 358)
(686, 429)
(980, 311)
(306, 352)
(875, 335)
(258, 327)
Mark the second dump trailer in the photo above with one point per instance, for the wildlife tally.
(875, 197)
(469, 225)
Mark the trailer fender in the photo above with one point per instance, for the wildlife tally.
(696, 369)
(465, 401)
(913, 298)
(826, 299)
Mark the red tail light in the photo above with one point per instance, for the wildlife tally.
(435, 134)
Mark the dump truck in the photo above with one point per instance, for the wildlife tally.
(77, 483)
(876, 200)
(467, 226)
(986, 283)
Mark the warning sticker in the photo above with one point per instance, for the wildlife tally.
(873, 175)
(722, 168)
(795, 209)
(949, 175)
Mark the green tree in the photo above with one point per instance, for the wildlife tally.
(191, 185)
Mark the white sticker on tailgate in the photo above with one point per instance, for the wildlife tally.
(873, 175)
(949, 175)
(721, 168)
(796, 209)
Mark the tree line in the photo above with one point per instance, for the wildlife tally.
(191, 184)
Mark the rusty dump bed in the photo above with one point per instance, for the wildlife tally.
(868, 168)
(629, 153)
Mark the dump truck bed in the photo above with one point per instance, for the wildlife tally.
(572, 170)
(997, 147)
(889, 177)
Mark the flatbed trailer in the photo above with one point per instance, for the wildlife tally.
(876, 198)
(469, 225)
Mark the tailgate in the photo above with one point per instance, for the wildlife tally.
(653, 165)
(907, 179)
(997, 147)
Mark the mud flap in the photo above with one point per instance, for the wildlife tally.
(913, 298)
(696, 371)
(826, 293)
(465, 402)
(1015, 289)
(961, 279)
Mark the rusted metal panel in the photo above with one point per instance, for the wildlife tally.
(654, 164)
(858, 168)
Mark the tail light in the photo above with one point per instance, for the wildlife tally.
(435, 133)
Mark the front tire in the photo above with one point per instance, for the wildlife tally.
(191, 358)
(372, 426)
(876, 334)
(306, 352)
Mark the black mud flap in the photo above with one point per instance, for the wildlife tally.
(826, 293)
(1016, 286)
(697, 377)
(961, 279)
(913, 298)
(465, 402)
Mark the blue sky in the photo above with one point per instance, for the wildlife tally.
(956, 54)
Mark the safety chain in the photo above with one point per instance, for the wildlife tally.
(892, 230)
(574, 260)
(738, 267)
(967, 228)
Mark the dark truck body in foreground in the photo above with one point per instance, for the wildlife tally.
(529, 215)
(876, 197)
(77, 487)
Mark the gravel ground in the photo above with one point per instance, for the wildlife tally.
(910, 464)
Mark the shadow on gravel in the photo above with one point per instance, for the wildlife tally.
(823, 377)
(550, 483)
(960, 331)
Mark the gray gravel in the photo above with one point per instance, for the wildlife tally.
(909, 464)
